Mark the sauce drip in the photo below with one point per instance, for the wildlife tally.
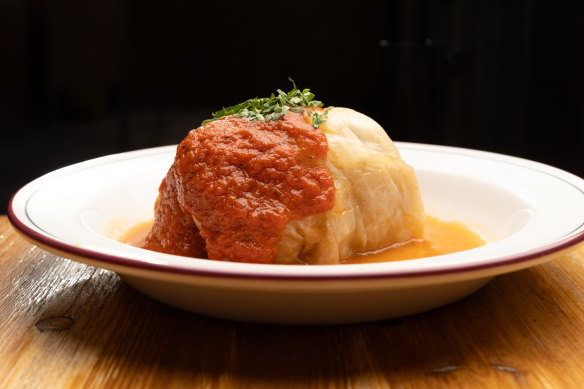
(173, 231)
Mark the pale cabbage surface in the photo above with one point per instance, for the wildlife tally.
(377, 199)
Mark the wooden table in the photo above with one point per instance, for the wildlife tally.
(64, 324)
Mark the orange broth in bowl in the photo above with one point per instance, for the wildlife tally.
(440, 237)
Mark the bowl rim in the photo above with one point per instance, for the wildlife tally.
(223, 269)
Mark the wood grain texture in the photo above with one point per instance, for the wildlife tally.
(68, 325)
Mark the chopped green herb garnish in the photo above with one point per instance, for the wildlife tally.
(318, 119)
(274, 107)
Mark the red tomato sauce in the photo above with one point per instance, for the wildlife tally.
(242, 181)
(173, 231)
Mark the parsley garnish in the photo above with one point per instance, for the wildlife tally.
(318, 119)
(273, 107)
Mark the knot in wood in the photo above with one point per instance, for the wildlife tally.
(54, 324)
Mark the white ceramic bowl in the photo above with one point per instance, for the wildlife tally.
(529, 211)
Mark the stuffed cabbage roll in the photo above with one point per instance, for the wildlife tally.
(377, 199)
(282, 180)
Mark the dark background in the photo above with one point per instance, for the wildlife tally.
(81, 79)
